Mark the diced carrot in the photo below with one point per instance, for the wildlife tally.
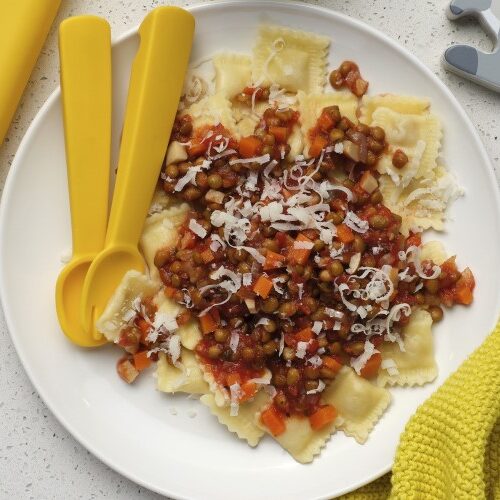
(263, 286)
(319, 143)
(331, 363)
(372, 366)
(344, 233)
(280, 134)
(300, 255)
(169, 291)
(126, 370)
(286, 194)
(325, 121)
(143, 325)
(304, 335)
(324, 416)
(250, 146)
(248, 390)
(273, 420)
(141, 361)
(273, 261)
(208, 323)
(197, 149)
(463, 296)
(207, 256)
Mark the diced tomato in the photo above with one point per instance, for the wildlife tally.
(188, 241)
(463, 296)
(283, 239)
(447, 296)
(197, 149)
(233, 378)
(323, 416)
(251, 90)
(143, 325)
(183, 318)
(169, 291)
(414, 240)
(273, 420)
(372, 366)
(467, 279)
(312, 346)
(250, 146)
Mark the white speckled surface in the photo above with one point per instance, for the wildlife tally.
(38, 458)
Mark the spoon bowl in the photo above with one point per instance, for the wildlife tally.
(108, 268)
(68, 296)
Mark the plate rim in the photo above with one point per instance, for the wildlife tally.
(37, 120)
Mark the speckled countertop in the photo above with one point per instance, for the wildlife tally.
(38, 458)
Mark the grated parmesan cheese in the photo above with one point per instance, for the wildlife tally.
(197, 228)
(320, 388)
(317, 327)
(301, 349)
(234, 340)
(359, 363)
(390, 365)
(235, 392)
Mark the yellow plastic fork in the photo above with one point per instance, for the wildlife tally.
(85, 56)
(154, 91)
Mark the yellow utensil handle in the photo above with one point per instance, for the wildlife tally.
(24, 25)
(85, 56)
(154, 91)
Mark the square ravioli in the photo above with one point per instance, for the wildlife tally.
(292, 59)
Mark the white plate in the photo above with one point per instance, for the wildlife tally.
(131, 428)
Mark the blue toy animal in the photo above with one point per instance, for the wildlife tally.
(480, 67)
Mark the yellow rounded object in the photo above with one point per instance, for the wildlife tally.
(155, 88)
(85, 56)
(24, 25)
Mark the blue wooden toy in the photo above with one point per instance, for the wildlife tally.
(476, 65)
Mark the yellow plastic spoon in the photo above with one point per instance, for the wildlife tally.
(155, 87)
(85, 57)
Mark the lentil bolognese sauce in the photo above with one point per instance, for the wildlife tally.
(293, 266)
(303, 285)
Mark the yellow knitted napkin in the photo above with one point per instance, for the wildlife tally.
(450, 448)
